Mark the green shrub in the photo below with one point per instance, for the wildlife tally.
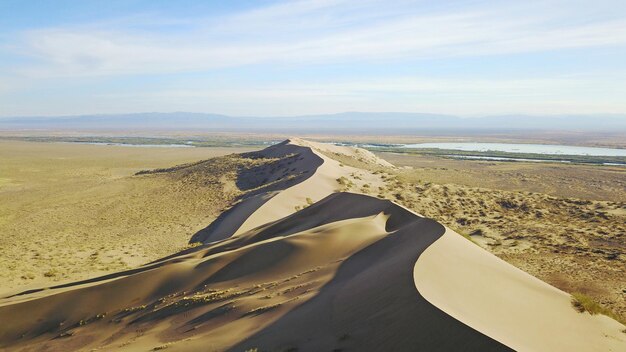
(583, 303)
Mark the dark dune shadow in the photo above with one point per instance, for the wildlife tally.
(212, 314)
(263, 257)
(344, 206)
(372, 304)
(262, 184)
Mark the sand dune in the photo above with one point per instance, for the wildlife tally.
(508, 304)
(306, 176)
(345, 272)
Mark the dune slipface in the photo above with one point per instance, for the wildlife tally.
(347, 272)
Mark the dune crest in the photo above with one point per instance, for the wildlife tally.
(314, 176)
(296, 264)
(507, 304)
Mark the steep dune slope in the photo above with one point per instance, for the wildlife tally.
(506, 303)
(346, 272)
(306, 176)
(336, 274)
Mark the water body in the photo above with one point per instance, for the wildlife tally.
(496, 158)
(547, 149)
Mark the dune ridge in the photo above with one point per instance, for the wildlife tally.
(314, 177)
(506, 303)
(347, 271)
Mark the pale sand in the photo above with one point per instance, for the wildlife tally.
(339, 274)
(506, 303)
(316, 187)
(317, 178)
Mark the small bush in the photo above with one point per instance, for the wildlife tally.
(162, 347)
(261, 310)
(51, 273)
(477, 232)
(192, 245)
(343, 181)
(583, 303)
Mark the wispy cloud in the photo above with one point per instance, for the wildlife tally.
(309, 32)
(452, 95)
(316, 56)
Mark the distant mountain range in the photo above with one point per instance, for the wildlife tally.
(355, 121)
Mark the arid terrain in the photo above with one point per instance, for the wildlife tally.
(72, 211)
(589, 182)
(265, 250)
(565, 224)
(312, 176)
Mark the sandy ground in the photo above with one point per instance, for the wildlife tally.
(306, 268)
(506, 303)
(546, 226)
(587, 182)
(71, 211)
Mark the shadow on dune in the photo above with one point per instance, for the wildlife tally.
(296, 164)
(335, 207)
(372, 303)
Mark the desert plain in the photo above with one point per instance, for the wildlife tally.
(253, 248)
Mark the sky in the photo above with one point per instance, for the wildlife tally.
(278, 58)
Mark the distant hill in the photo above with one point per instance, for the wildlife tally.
(355, 121)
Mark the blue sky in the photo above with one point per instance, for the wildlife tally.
(264, 58)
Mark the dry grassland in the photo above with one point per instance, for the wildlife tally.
(565, 224)
(71, 211)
